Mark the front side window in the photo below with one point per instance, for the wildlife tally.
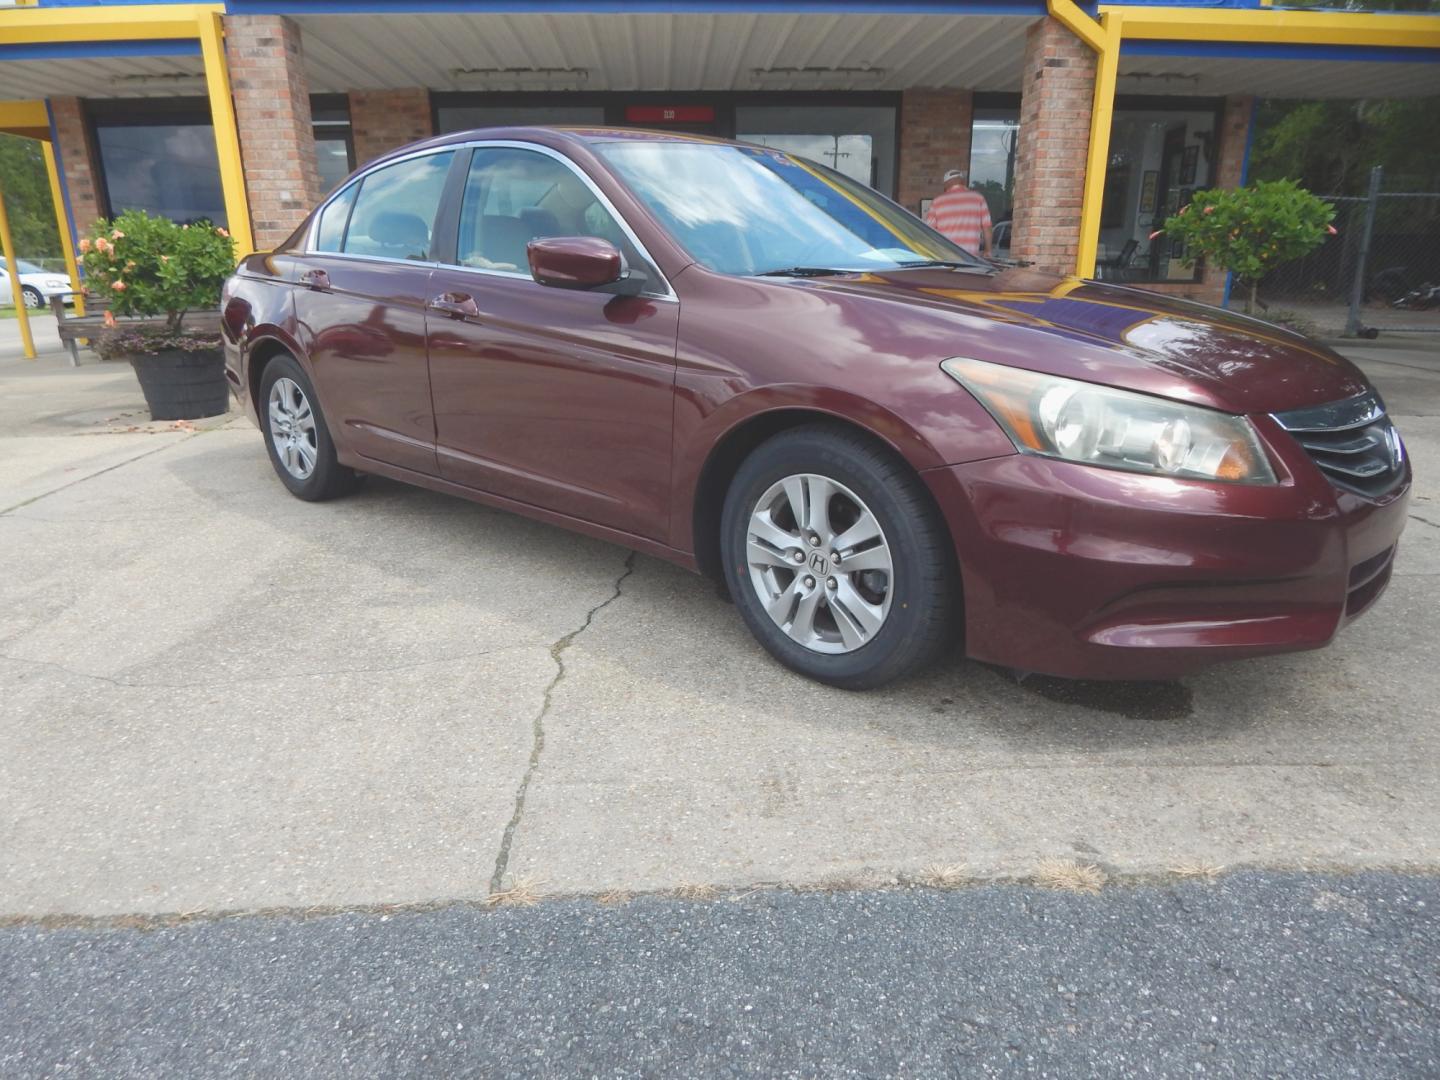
(395, 208)
(746, 210)
(513, 196)
(330, 230)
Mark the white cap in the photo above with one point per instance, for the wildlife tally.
(955, 174)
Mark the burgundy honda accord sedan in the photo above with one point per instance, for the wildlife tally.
(750, 365)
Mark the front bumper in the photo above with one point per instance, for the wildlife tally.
(1098, 574)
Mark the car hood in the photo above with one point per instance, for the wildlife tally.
(1118, 336)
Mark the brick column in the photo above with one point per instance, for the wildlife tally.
(383, 120)
(934, 138)
(272, 113)
(1058, 75)
(73, 154)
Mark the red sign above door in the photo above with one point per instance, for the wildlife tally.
(669, 114)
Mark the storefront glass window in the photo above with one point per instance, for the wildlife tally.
(993, 142)
(334, 153)
(466, 117)
(1158, 159)
(165, 169)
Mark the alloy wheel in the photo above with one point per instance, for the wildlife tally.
(292, 428)
(820, 563)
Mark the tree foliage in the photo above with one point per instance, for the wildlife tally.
(27, 197)
(152, 266)
(1251, 230)
(1330, 146)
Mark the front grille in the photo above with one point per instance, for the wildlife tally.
(1352, 441)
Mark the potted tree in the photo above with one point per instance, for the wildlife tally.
(152, 267)
(1251, 230)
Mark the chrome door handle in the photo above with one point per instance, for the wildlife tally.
(316, 279)
(456, 305)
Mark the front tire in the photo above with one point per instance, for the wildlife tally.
(837, 558)
(34, 299)
(296, 435)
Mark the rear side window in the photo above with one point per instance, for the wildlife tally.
(330, 231)
(394, 213)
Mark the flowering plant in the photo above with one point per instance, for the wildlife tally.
(1251, 230)
(151, 266)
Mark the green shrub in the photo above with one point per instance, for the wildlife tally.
(1251, 230)
(152, 266)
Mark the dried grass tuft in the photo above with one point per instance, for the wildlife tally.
(944, 875)
(1070, 875)
(523, 892)
(694, 890)
(614, 896)
(1203, 871)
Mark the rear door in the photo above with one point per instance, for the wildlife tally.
(360, 296)
(553, 397)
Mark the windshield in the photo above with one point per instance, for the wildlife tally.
(748, 210)
(25, 266)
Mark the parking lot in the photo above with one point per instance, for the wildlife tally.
(214, 697)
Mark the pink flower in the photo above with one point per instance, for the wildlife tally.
(1156, 233)
(117, 235)
(102, 245)
(1209, 209)
(118, 286)
(1184, 208)
(1332, 230)
(164, 258)
(222, 232)
(84, 245)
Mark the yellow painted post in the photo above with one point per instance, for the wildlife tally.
(62, 220)
(1102, 110)
(12, 269)
(227, 134)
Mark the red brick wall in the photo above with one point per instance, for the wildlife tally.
(934, 138)
(73, 152)
(1058, 75)
(272, 112)
(1229, 164)
(382, 120)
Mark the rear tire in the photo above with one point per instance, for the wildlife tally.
(296, 435)
(887, 606)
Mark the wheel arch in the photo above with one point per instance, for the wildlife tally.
(742, 439)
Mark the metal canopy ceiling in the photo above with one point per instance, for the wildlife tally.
(1217, 76)
(687, 51)
(102, 77)
(666, 51)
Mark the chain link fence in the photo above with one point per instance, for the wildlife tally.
(1379, 274)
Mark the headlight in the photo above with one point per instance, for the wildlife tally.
(1098, 425)
(57, 283)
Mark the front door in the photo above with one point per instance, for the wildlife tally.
(360, 301)
(556, 398)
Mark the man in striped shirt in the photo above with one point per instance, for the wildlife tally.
(961, 215)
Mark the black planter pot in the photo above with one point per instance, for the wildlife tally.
(181, 385)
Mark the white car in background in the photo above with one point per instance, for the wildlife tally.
(37, 284)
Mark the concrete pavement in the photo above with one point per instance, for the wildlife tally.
(214, 697)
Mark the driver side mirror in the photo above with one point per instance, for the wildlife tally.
(581, 262)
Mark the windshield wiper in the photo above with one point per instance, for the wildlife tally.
(806, 271)
(947, 264)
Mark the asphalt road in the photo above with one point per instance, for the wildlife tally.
(1259, 974)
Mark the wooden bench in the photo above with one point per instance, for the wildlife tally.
(75, 329)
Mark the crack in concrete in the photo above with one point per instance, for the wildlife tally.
(1425, 521)
(557, 654)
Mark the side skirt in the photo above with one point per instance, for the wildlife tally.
(641, 544)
